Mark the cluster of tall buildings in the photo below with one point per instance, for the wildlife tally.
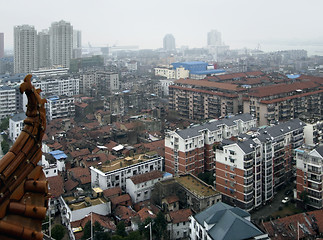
(50, 47)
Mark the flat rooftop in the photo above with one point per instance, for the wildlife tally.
(86, 202)
(196, 186)
(128, 161)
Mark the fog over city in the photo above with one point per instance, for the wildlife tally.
(270, 25)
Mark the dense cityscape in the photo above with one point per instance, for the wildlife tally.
(169, 143)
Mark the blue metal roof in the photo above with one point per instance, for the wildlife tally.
(58, 154)
(206, 72)
(293, 76)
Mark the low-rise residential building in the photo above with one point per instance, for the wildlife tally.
(313, 133)
(139, 186)
(74, 209)
(116, 172)
(190, 190)
(58, 86)
(221, 221)
(250, 168)
(179, 223)
(309, 178)
(191, 150)
(16, 124)
(59, 107)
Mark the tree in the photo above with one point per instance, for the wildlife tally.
(5, 146)
(160, 226)
(134, 236)
(121, 229)
(207, 177)
(4, 124)
(87, 230)
(304, 197)
(58, 232)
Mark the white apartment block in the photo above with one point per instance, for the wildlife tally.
(116, 173)
(107, 81)
(25, 49)
(8, 101)
(190, 150)
(16, 124)
(59, 107)
(313, 133)
(250, 168)
(139, 186)
(171, 73)
(88, 81)
(58, 86)
(163, 87)
(309, 167)
(48, 72)
(61, 43)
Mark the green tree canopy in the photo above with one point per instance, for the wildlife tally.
(121, 229)
(58, 232)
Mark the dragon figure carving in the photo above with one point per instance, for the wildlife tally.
(23, 186)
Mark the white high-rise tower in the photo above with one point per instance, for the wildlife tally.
(214, 38)
(25, 49)
(61, 43)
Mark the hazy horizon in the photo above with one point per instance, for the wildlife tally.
(143, 23)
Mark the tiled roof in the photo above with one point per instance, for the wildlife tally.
(147, 204)
(121, 199)
(104, 221)
(181, 215)
(210, 84)
(290, 97)
(125, 213)
(145, 213)
(111, 145)
(112, 191)
(85, 179)
(145, 177)
(79, 172)
(56, 185)
(172, 199)
(281, 88)
(70, 185)
(280, 228)
(80, 152)
(229, 95)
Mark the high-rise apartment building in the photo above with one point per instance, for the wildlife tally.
(25, 49)
(77, 44)
(309, 165)
(214, 38)
(1, 45)
(191, 150)
(43, 49)
(250, 168)
(61, 43)
(169, 43)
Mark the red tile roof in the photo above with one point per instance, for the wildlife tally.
(148, 204)
(104, 221)
(125, 213)
(70, 185)
(210, 84)
(81, 105)
(116, 191)
(280, 228)
(80, 152)
(56, 185)
(281, 88)
(172, 199)
(290, 97)
(145, 213)
(79, 172)
(111, 145)
(181, 215)
(121, 200)
(204, 91)
(145, 177)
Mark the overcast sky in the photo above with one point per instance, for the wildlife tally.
(146, 22)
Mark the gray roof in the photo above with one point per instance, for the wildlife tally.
(320, 150)
(279, 129)
(18, 117)
(194, 131)
(229, 222)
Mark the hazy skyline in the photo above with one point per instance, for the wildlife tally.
(242, 23)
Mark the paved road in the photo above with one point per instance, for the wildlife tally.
(269, 209)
